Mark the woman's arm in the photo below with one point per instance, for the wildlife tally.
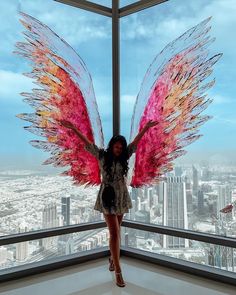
(89, 146)
(149, 124)
(78, 133)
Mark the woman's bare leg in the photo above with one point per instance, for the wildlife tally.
(120, 217)
(114, 239)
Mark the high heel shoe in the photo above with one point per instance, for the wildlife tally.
(111, 266)
(119, 279)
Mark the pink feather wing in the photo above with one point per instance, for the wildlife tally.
(172, 93)
(66, 93)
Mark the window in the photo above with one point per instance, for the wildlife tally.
(208, 169)
(26, 185)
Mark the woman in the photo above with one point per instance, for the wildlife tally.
(113, 164)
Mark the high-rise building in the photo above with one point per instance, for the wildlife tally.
(65, 209)
(49, 220)
(151, 197)
(134, 196)
(189, 194)
(195, 180)
(144, 217)
(131, 213)
(200, 198)
(175, 209)
(224, 198)
(3, 255)
(22, 248)
(234, 200)
(50, 215)
(160, 192)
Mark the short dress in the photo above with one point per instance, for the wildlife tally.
(122, 200)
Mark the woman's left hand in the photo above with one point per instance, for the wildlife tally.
(151, 123)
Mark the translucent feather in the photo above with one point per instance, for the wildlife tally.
(66, 92)
(172, 93)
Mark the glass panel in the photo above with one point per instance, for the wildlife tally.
(34, 196)
(208, 169)
(47, 249)
(193, 251)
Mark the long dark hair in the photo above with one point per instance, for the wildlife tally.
(123, 157)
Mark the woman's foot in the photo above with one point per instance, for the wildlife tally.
(111, 266)
(119, 279)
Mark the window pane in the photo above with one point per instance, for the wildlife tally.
(51, 248)
(208, 169)
(215, 256)
(33, 194)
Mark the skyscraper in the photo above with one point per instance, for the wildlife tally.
(195, 181)
(134, 196)
(224, 198)
(189, 195)
(65, 209)
(160, 192)
(175, 209)
(144, 217)
(50, 215)
(22, 248)
(65, 244)
(200, 198)
(49, 220)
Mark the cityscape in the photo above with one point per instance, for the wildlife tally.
(189, 197)
(117, 45)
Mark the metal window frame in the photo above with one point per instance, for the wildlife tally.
(115, 13)
(157, 259)
(42, 266)
(160, 229)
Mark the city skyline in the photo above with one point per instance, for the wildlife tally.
(187, 203)
(138, 33)
(189, 198)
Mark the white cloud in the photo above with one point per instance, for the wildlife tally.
(76, 27)
(73, 24)
(162, 24)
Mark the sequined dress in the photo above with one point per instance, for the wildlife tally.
(122, 200)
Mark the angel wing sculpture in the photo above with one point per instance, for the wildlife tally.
(172, 92)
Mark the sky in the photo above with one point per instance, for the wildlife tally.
(143, 35)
